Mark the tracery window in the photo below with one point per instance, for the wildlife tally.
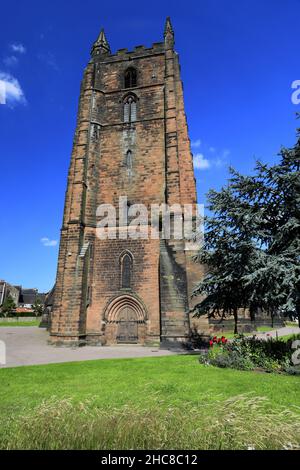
(130, 78)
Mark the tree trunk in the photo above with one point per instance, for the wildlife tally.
(298, 312)
(235, 315)
(252, 316)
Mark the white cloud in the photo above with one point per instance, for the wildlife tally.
(200, 162)
(196, 143)
(18, 48)
(47, 242)
(11, 89)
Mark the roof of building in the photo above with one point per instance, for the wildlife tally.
(50, 297)
(23, 310)
(28, 296)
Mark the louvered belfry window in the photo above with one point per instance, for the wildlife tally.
(130, 109)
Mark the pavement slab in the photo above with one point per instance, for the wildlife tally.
(29, 346)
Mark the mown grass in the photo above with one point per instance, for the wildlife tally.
(20, 323)
(292, 324)
(264, 329)
(288, 337)
(230, 335)
(260, 329)
(125, 393)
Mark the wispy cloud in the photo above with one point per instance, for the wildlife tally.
(196, 143)
(48, 59)
(11, 91)
(47, 242)
(19, 48)
(10, 61)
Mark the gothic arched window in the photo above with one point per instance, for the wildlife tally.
(130, 109)
(126, 271)
(130, 78)
(129, 159)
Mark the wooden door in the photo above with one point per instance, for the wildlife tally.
(127, 331)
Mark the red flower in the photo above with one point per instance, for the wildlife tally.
(224, 340)
(214, 339)
(219, 340)
(211, 343)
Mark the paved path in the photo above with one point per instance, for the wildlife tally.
(287, 330)
(28, 346)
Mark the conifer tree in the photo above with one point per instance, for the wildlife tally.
(274, 195)
(227, 254)
(251, 245)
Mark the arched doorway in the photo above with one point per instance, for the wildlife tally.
(127, 331)
(125, 320)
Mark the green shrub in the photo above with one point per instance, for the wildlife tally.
(292, 370)
(23, 315)
(234, 361)
(273, 355)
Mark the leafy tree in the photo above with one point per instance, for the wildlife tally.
(8, 306)
(38, 307)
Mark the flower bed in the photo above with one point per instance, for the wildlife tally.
(271, 355)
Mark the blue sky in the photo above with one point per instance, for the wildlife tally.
(238, 61)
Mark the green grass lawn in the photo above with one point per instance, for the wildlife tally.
(170, 380)
(264, 329)
(20, 323)
(287, 337)
(291, 323)
(230, 335)
(179, 382)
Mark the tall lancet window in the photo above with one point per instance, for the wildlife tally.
(130, 109)
(129, 160)
(126, 271)
(130, 79)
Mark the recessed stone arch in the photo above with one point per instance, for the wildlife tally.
(119, 303)
(121, 309)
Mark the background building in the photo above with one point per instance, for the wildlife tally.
(23, 298)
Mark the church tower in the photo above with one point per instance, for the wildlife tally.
(131, 141)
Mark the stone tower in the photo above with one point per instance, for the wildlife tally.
(131, 140)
